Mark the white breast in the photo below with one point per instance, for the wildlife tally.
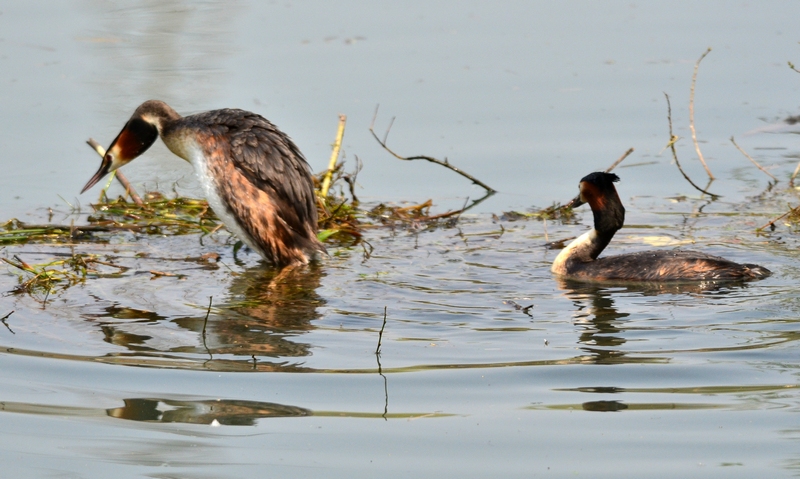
(194, 154)
(576, 248)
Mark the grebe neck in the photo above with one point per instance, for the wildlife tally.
(585, 248)
(609, 216)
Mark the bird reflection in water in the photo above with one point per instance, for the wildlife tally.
(602, 324)
(227, 412)
(264, 309)
(262, 315)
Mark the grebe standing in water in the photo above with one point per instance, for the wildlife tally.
(254, 177)
(579, 259)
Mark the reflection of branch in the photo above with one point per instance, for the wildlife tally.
(122, 179)
(672, 140)
(3, 320)
(205, 323)
(444, 163)
(380, 369)
(385, 388)
(751, 159)
(691, 113)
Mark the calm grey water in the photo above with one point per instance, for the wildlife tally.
(115, 378)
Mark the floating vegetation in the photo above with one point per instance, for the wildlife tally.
(555, 212)
(16, 232)
(158, 215)
(339, 218)
(60, 273)
(791, 218)
(389, 215)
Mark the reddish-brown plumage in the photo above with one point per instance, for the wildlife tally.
(591, 194)
(260, 217)
(256, 179)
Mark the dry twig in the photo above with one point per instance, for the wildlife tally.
(337, 144)
(794, 175)
(691, 114)
(619, 160)
(672, 140)
(380, 335)
(754, 161)
(444, 163)
(796, 209)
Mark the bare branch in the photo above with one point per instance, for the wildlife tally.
(793, 210)
(619, 160)
(751, 159)
(672, 140)
(380, 334)
(337, 145)
(691, 114)
(794, 175)
(444, 163)
(460, 211)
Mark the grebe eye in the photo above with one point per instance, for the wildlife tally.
(108, 157)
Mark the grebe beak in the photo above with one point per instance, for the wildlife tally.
(105, 168)
(576, 202)
(134, 139)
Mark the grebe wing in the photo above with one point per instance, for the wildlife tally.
(271, 161)
(672, 265)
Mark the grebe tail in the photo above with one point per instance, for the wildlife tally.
(255, 178)
(579, 260)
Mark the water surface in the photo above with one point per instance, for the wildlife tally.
(132, 374)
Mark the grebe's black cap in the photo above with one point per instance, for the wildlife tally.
(601, 179)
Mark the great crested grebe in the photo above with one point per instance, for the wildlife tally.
(579, 259)
(254, 177)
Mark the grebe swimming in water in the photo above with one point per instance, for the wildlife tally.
(254, 177)
(579, 259)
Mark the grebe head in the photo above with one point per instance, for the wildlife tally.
(598, 190)
(138, 134)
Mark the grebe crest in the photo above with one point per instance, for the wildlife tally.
(579, 260)
(255, 178)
